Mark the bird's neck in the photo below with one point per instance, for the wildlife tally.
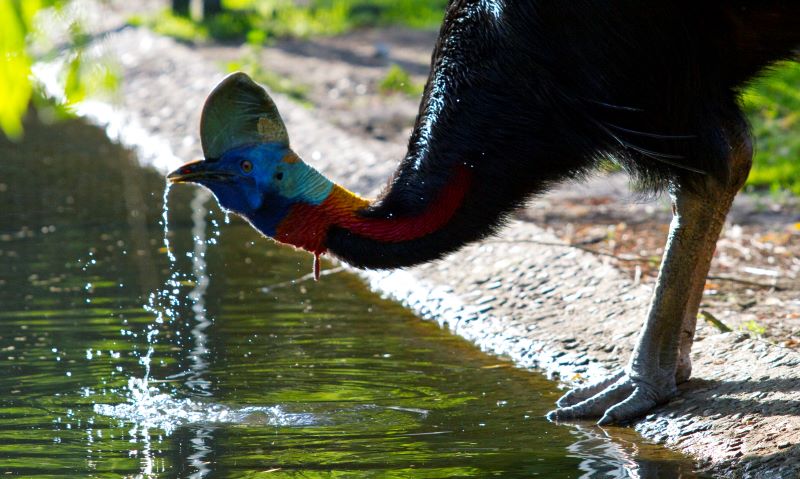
(309, 226)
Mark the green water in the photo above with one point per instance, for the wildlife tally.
(251, 374)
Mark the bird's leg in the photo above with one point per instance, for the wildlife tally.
(661, 358)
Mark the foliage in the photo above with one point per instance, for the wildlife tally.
(175, 26)
(283, 18)
(772, 104)
(226, 26)
(18, 30)
(336, 16)
(411, 13)
(287, 18)
(16, 21)
(398, 80)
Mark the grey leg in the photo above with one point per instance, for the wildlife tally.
(661, 358)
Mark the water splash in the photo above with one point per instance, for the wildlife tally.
(146, 406)
(165, 222)
(164, 303)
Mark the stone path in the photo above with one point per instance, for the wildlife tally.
(553, 307)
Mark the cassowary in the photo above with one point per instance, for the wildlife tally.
(523, 94)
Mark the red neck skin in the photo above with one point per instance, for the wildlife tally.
(306, 226)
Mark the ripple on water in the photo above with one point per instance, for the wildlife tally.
(147, 407)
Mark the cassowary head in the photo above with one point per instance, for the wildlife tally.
(253, 172)
(248, 164)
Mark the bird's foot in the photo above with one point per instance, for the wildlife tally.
(619, 398)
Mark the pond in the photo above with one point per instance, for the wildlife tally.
(228, 362)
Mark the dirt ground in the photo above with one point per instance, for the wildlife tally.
(563, 289)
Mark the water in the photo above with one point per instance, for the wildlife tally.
(226, 359)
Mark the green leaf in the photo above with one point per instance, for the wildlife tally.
(15, 67)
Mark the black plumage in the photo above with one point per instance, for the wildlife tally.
(529, 93)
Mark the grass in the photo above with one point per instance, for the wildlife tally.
(319, 16)
(772, 105)
(246, 20)
(753, 327)
(398, 80)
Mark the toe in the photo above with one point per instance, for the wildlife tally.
(593, 407)
(583, 393)
(635, 406)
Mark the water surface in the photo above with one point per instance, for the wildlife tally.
(118, 362)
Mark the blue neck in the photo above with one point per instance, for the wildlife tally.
(273, 210)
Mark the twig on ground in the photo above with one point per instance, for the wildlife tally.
(748, 282)
(710, 318)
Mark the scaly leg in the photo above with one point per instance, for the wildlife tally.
(661, 358)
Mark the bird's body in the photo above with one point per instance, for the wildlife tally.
(522, 95)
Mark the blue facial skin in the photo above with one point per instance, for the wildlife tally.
(255, 182)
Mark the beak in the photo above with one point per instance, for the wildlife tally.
(196, 171)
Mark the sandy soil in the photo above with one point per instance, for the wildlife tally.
(564, 288)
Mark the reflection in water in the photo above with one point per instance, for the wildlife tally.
(199, 363)
(301, 378)
(198, 459)
(201, 279)
(591, 446)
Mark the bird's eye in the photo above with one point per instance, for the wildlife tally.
(279, 175)
(247, 166)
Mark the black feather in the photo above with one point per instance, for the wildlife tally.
(528, 93)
